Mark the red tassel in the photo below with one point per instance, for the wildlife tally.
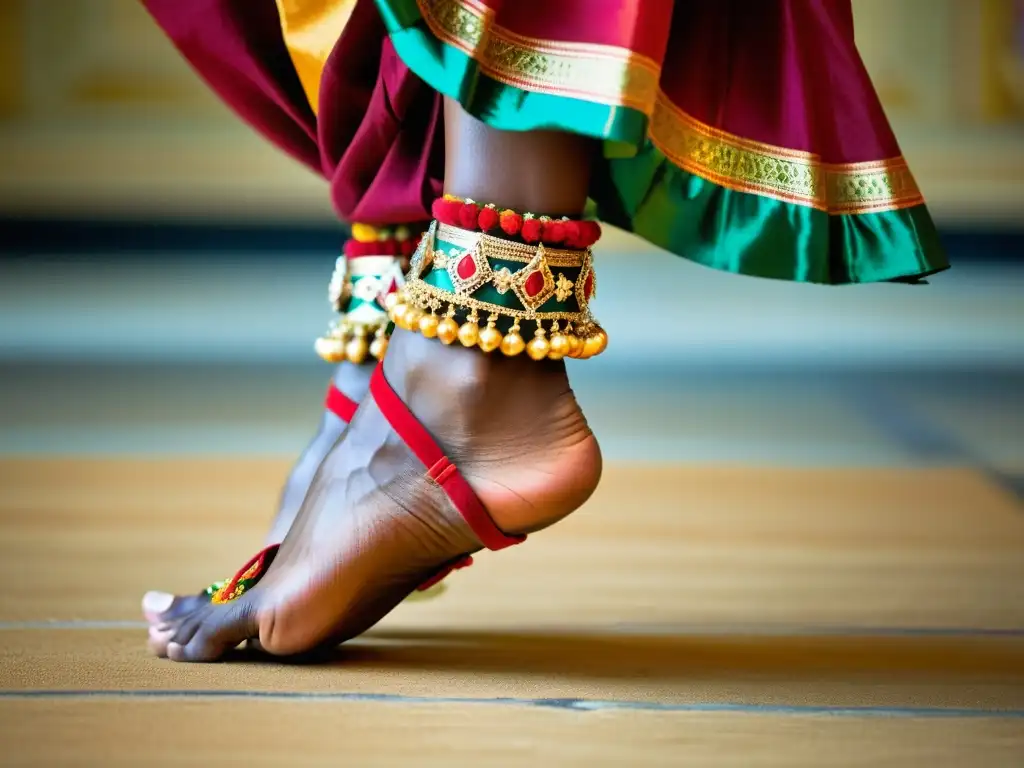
(590, 233)
(511, 222)
(447, 211)
(572, 234)
(468, 214)
(531, 230)
(488, 219)
(553, 232)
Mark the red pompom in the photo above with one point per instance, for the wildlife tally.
(446, 211)
(531, 230)
(511, 222)
(572, 234)
(590, 233)
(467, 215)
(406, 247)
(349, 248)
(553, 232)
(488, 219)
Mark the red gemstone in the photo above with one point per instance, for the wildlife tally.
(588, 286)
(534, 284)
(466, 268)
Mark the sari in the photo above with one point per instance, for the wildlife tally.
(745, 136)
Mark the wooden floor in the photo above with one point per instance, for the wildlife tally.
(712, 616)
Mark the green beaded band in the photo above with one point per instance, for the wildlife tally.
(515, 287)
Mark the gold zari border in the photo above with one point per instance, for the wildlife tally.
(783, 174)
(618, 77)
(601, 73)
(432, 297)
(508, 250)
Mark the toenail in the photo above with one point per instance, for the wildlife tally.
(157, 602)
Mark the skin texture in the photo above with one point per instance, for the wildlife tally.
(372, 527)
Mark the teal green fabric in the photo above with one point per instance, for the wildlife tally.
(637, 188)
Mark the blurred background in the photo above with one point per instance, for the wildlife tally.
(164, 270)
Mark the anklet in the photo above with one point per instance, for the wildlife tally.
(370, 271)
(516, 288)
(527, 227)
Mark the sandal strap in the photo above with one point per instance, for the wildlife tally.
(338, 403)
(440, 470)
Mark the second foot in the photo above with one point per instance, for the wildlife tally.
(377, 522)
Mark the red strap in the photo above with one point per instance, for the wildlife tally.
(440, 470)
(340, 405)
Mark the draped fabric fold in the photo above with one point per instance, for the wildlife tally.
(744, 136)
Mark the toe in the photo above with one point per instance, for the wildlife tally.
(160, 607)
(219, 629)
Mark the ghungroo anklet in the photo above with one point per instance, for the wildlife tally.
(459, 279)
(372, 268)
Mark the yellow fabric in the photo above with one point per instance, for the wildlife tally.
(310, 29)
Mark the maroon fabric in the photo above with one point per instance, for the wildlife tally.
(379, 136)
(781, 72)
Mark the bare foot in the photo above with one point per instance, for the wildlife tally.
(353, 381)
(373, 527)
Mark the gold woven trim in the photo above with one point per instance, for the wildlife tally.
(508, 250)
(783, 174)
(431, 297)
(602, 73)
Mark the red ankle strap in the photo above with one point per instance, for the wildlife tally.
(341, 406)
(439, 469)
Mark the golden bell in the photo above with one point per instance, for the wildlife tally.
(379, 345)
(428, 325)
(595, 344)
(390, 301)
(559, 346)
(575, 346)
(490, 338)
(330, 349)
(538, 347)
(412, 318)
(356, 349)
(512, 344)
(397, 314)
(602, 338)
(469, 332)
(447, 330)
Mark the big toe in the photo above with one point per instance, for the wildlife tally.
(160, 607)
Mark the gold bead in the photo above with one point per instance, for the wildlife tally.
(412, 318)
(379, 345)
(397, 314)
(428, 325)
(538, 347)
(356, 350)
(559, 346)
(330, 349)
(447, 330)
(595, 344)
(512, 344)
(390, 301)
(490, 338)
(469, 332)
(575, 346)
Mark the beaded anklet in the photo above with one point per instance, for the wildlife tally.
(515, 287)
(371, 270)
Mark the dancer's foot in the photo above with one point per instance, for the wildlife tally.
(373, 526)
(352, 381)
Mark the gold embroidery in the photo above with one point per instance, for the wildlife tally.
(601, 73)
(507, 250)
(563, 287)
(783, 174)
